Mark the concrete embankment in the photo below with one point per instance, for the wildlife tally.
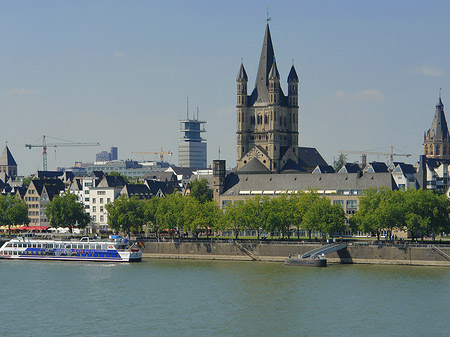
(423, 255)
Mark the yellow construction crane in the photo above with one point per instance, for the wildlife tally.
(46, 145)
(363, 155)
(161, 153)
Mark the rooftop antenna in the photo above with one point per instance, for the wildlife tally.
(292, 61)
(197, 113)
(187, 107)
(219, 152)
(268, 19)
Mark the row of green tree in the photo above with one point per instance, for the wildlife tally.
(421, 212)
(196, 214)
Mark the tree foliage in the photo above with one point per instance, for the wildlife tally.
(340, 162)
(126, 214)
(200, 190)
(66, 211)
(13, 211)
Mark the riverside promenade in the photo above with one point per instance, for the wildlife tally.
(277, 251)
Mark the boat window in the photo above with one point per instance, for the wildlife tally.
(85, 246)
(68, 246)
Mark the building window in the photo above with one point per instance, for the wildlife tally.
(93, 200)
(101, 200)
(108, 200)
(94, 208)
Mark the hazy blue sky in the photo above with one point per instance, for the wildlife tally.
(118, 72)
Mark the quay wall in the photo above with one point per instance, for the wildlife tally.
(424, 255)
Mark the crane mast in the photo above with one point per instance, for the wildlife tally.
(45, 145)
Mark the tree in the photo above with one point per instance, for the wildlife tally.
(340, 162)
(233, 217)
(169, 213)
(66, 211)
(126, 214)
(426, 212)
(150, 208)
(301, 203)
(13, 211)
(325, 217)
(200, 190)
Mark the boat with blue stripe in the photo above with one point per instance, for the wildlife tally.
(33, 247)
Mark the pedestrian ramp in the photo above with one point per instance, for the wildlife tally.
(327, 249)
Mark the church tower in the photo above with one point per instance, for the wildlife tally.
(7, 163)
(267, 120)
(437, 138)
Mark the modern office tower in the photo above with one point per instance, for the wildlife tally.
(192, 147)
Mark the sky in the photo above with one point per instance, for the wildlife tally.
(119, 73)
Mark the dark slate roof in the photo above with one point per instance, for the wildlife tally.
(242, 74)
(439, 129)
(186, 172)
(253, 166)
(309, 157)
(376, 167)
(261, 92)
(137, 190)
(407, 168)
(155, 186)
(7, 158)
(112, 181)
(294, 182)
(161, 176)
(48, 174)
(434, 163)
(292, 77)
(350, 168)
(51, 185)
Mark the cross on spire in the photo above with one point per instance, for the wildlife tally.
(268, 17)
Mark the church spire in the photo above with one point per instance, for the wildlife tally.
(265, 64)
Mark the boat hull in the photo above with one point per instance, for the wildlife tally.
(295, 261)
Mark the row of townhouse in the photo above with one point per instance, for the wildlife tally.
(94, 192)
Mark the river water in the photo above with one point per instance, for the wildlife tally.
(216, 298)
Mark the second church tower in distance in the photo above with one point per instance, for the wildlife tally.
(267, 120)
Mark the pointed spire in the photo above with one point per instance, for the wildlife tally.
(292, 77)
(7, 158)
(265, 61)
(439, 129)
(274, 74)
(242, 75)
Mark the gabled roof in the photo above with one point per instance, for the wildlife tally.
(50, 184)
(156, 187)
(136, 190)
(376, 167)
(112, 181)
(324, 169)
(350, 168)
(254, 166)
(7, 158)
(309, 158)
(407, 168)
(76, 185)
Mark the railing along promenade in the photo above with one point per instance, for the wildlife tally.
(397, 244)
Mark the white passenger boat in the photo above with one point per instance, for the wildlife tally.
(34, 247)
